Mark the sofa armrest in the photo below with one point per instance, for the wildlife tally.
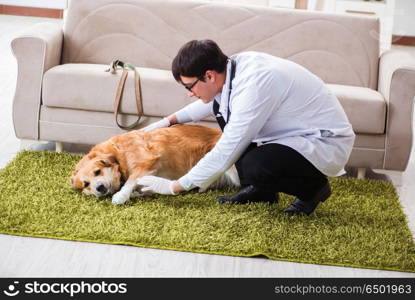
(36, 51)
(397, 85)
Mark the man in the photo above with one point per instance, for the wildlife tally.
(282, 127)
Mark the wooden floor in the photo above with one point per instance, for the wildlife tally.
(30, 257)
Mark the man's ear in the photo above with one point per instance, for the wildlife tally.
(210, 75)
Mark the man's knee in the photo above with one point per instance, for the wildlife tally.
(254, 168)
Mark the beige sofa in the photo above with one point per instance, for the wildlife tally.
(64, 95)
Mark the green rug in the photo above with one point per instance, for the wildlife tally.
(361, 225)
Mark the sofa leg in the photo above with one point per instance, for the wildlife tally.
(58, 146)
(361, 173)
(26, 144)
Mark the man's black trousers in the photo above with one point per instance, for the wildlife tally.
(279, 168)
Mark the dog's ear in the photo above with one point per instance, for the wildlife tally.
(108, 161)
(83, 161)
(91, 155)
(104, 163)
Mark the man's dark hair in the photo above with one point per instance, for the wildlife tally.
(196, 57)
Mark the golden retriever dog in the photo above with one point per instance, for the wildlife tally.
(113, 167)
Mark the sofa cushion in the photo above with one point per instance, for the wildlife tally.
(148, 33)
(365, 108)
(89, 87)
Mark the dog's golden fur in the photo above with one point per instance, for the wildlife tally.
(168, 152)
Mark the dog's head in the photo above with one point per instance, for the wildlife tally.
(97, 174)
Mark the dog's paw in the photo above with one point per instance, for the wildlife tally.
(119, 198)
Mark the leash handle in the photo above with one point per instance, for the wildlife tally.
(117, 64)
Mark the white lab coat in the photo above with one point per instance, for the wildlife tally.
(273, 100)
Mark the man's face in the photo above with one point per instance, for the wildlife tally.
(205, 90)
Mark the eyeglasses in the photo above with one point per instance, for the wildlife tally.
(190, 86)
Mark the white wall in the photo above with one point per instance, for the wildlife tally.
(57, 4)
(404, 18)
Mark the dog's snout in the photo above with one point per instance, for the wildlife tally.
(102, 189)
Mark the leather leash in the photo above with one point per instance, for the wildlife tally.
(117, 64)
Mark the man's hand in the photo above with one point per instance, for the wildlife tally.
(157, 185)
(163, 123)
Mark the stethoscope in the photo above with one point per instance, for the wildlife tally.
(219, 118)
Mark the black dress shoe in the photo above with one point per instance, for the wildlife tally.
(299, 206)
(250, 194)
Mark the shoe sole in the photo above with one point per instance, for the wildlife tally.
(323, 195)
(224, 201)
